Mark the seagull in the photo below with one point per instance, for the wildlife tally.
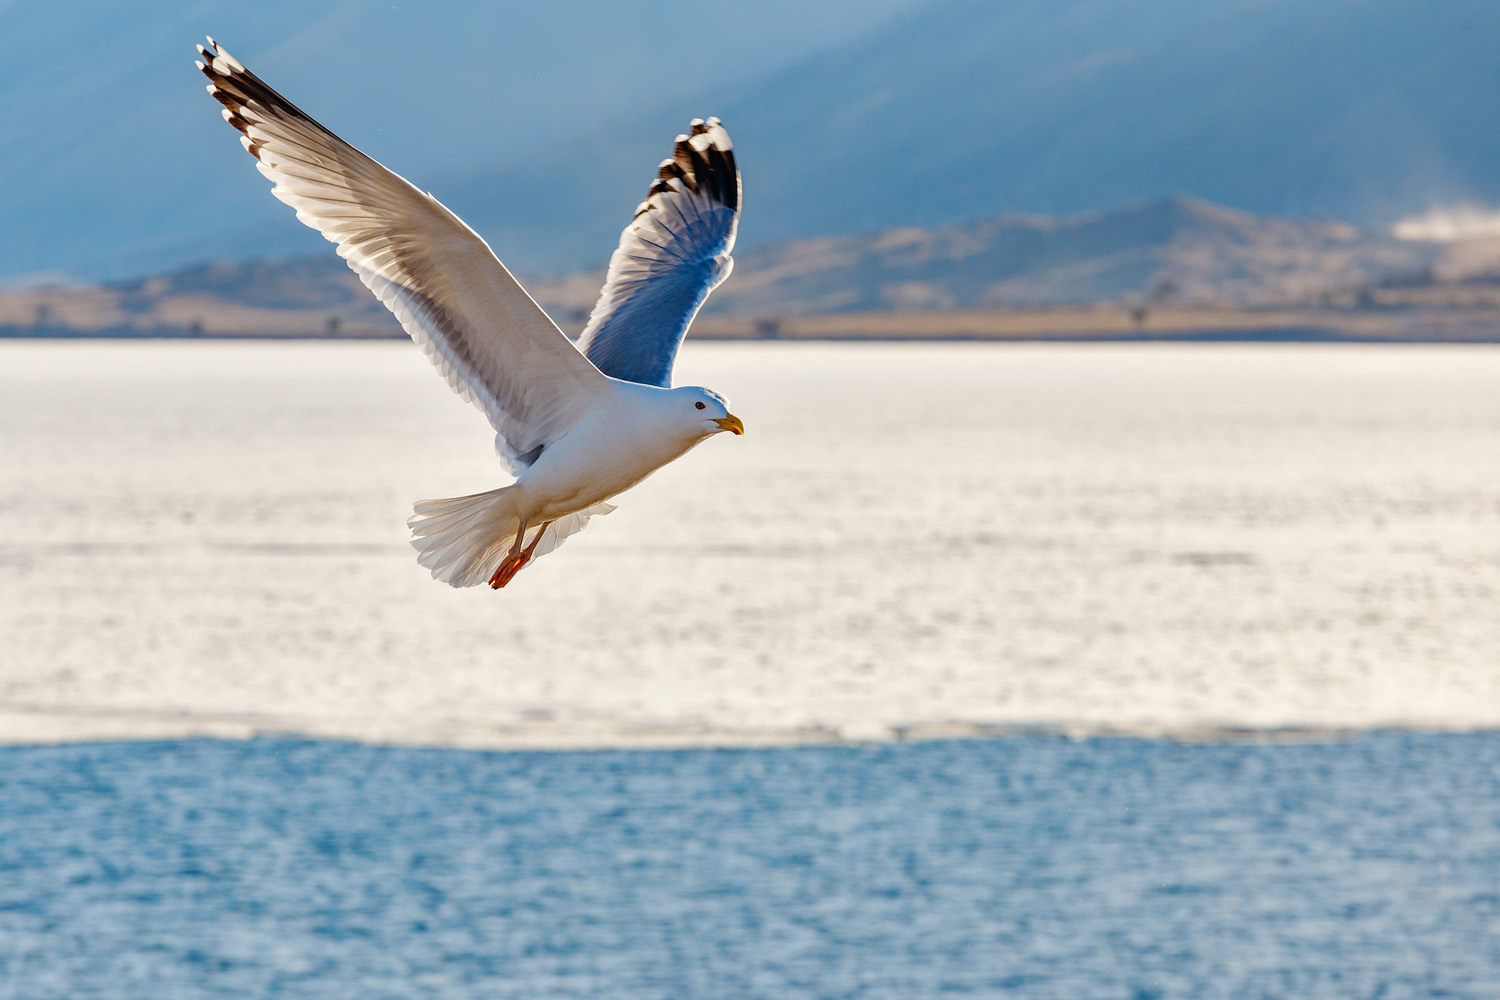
(574, 424)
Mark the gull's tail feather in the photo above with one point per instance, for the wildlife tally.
(463, 539)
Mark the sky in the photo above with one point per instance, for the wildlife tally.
(540, 124)
(108, 130)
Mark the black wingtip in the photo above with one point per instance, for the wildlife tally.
(703, 162)
(235, 87)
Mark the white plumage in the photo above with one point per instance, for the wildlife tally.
(574, 426)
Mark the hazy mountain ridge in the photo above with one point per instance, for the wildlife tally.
(1366, 110)
(1179, 251)
(1183, 249)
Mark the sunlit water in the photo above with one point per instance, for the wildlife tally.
(209, 538)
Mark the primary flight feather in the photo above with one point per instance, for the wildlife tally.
(574, 425)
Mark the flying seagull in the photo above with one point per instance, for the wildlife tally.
(574, 425)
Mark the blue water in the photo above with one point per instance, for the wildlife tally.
(1019, 867)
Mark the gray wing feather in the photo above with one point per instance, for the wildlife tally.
(674, 252)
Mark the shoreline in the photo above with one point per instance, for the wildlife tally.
(76, 726)
(1100, 322)
(1202, 337)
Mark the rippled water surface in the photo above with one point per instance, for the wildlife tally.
(209, 538)
(995, 868)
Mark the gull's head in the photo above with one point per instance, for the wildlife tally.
(707, 411)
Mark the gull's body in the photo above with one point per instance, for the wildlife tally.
(630, 433)
(575, 425)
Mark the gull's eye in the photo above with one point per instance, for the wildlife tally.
(701, 405)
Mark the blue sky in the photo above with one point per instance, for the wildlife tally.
(108, 130)
(541, 123)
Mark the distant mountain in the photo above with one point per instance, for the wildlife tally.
(1179, 249)
(1366, 110)
(1362, 110)
(1177, 252)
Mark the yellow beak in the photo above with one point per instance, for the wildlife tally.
(730, 423)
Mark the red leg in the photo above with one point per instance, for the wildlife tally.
(531, 549)
(501, 577)
(518, 558)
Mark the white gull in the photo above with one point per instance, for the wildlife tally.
(574, 425)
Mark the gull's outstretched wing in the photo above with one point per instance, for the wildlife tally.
(674, 252)
(492, 343)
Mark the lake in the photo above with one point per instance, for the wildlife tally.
(1282, 561)
(1106, 869)
(911, 540)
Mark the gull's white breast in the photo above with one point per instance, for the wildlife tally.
(630, 433)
